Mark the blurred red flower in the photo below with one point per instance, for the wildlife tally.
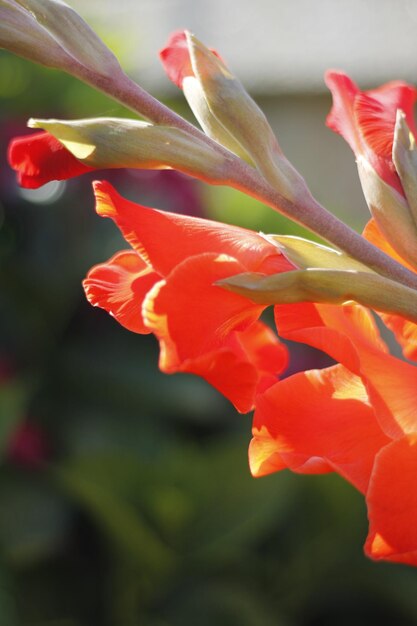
(27, 446)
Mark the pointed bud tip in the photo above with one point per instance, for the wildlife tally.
(34, 123)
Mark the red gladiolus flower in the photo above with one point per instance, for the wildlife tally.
(360, 420)
(165, 284)
(366, 120)
(356, 418)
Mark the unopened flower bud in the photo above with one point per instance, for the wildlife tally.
(306, 254)
(233, 107)
(391, 212)
(326, 286)
(53, 34)
(117, 143)
(177, 63)
(227, 112)
(20, 33)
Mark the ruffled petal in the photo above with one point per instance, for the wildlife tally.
(165, 239)
(234, 369)
(120, 286)
(366, 120)
(228, 372)
(314, 422)
(337, 330)
(39, 158)
(404, 330)
(376, 110)
(391, 97)
(341, 117)
(373, 234)
(349, 335)
(208, 331)
(190, 314)
(265, 352)
(392, 503)
(175, 58)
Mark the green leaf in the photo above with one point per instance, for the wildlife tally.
(92, 483)
(34, 518)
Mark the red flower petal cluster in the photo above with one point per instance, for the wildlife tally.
(361, 418)
(165, 284)
(366, 120)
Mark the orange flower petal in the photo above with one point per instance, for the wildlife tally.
(264, 455)
(318, 421)
(336, 330)
(375, 114)
(165, 239)
(350, 336)
(247, 363)
(189, 312)
(266, 353)
(227, 371)
(366, 120)
(119, 286)
(208, 331)
(404, 330)
(373, 234)
(392, 503)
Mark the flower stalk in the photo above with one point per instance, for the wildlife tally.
(245, 178)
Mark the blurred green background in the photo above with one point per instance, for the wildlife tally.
(125, 494)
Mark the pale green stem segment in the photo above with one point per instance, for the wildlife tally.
(326, 286)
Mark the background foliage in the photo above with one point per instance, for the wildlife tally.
(126, 498)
